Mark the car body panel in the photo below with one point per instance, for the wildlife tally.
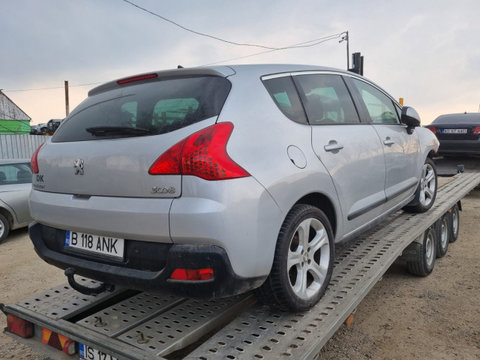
(122, 217)
(401, 157)
(360, 155)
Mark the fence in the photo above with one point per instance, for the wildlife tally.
(19, 146)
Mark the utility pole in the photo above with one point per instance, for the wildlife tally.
(345, 38)
(67, 105)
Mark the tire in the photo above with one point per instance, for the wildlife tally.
(454, 215)
(426, 191)
(443, 228)
(423, 262)
(303, 261)
(4, 228)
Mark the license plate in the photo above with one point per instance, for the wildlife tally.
(88, 353)
(454, 131)
(101, 245)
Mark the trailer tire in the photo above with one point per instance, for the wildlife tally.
(443, 228)
(423, 262)
(426, 190)
(454, 215)
(4, 228)
(303, 260)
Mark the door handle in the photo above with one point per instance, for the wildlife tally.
(388, 141)
(333, 146)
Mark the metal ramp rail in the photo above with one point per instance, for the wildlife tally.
(156, 326)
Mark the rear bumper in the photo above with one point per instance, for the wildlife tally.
(459, 147)
(126, 274)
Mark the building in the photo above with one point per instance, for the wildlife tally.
(12, 119)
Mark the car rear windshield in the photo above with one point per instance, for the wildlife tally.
(151, 108)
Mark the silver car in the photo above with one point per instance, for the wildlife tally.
(218, 180)
(15, 186)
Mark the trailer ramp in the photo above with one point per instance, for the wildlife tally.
(144, 325)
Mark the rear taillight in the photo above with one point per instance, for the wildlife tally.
(432, 129)
(202, 154)
(192, 274)
(476, 131)
(34, 160)
(20, 327)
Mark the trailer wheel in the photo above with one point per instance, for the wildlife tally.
(303, 260)
(425, 253)
(426, 191)
(443, 228)
(4, 228)
(454, 215)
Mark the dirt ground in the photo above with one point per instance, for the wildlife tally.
(403, 317)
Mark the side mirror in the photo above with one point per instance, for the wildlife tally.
(410, 118)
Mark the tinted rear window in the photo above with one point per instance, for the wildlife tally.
(146, 109)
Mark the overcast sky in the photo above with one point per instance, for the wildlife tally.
(426, 51)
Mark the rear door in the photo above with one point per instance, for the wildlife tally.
(350, 150)
(400, 148)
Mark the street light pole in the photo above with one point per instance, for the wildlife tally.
(345, 38)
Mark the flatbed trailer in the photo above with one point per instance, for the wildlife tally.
(140, 325)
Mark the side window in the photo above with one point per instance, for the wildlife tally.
(15, 174)
(284, 94)
(379, 106)
(327, 100)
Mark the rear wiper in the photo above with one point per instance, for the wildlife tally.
(117, 130)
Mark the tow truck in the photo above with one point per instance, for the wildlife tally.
(126, 324)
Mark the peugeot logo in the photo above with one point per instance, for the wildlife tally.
(79, 166)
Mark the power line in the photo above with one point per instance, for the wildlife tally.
(216, 37)
(53, 87)
(313, 43)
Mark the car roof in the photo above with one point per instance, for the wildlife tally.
(254, 70)
(458, 118)
(14, 161)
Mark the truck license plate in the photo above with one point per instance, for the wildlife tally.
(88, 353)
(102, 245)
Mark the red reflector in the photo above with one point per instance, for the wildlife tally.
(136, 78)
(34, 160)
(202, 154)
(192, 274)
(476, 131)
(58, 341)
(432, 129)
(19, 327)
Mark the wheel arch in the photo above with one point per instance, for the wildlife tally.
(8, 215)
(323, 203)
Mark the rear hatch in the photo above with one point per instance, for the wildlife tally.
(110, 141)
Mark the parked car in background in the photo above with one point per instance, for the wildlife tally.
(218, 180)
(459, 134)
(15, 186)
(39, 129)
